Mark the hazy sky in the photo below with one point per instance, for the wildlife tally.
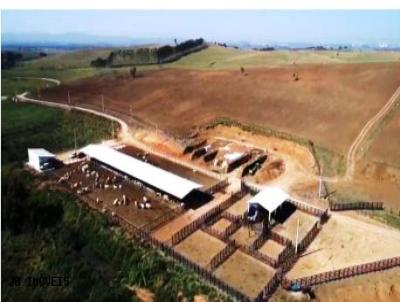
(255, 26)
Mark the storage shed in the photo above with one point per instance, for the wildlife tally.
(41, 159)
(270, 198)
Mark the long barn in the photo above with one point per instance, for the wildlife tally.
(147, 173)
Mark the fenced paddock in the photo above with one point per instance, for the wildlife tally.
(200, 247)
(212, 214)
(245, 273)
(288, 228)
(221, 224)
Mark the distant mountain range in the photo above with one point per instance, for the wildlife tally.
(80, 40)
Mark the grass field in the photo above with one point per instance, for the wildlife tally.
(216, 57)
(28, 125)
(70, 59)
(13, 86)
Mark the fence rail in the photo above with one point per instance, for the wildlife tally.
(226, 252)
(218, 186)
(343, 273)
(309, 209)
(279, 238)
(360, 205)
(193, 226)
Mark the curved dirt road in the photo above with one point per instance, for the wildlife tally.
(351, 155)
(50, 80)
(125, 134)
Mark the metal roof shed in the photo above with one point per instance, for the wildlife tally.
(154, 176)
(39, 158)
(270, 198)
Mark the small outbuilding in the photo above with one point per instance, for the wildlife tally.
(41, 159)
(270, 199)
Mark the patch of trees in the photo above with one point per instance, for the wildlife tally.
(265, 49)
(99, 62)
(10, 59)
(152, 55)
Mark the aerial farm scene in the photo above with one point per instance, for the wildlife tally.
(240, 163)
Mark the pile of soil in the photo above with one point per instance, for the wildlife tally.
(270, 171)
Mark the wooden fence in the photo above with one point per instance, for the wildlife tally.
(160, 221)
(231, 217)
(193, 226)
(303, 244)
(360, 205)
(279, 238)
(343, 273)
(269, 288)
(213, 232)
(229, 249)
(310, 209)
(218, 186)
(287, 253)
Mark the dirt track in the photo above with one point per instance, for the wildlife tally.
(351, 155)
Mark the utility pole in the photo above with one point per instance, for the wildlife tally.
(297, 234)
(75, 140)
(102, 102)
(320, 185)
(69, 99)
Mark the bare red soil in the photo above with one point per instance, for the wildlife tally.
(328, 104)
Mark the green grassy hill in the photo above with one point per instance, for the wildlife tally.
(219, 58)
(72, 59)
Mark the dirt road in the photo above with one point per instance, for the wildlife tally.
(351, 155)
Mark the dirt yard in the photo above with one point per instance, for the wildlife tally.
(265, 96)
(289, 226)
(167, 231)
(138, 217)
(240, 206)
(271, 248)
(245, 273)
(200, 247)
(376, 287)
(244, 236)
(345, 241)
(172, 167)
(221, 225)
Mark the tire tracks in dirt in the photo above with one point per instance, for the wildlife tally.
(352, 153)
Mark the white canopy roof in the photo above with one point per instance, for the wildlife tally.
(40, 152)
(159, 178)
(270, 198)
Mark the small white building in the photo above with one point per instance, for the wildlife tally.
(270, 198)
(40, 159)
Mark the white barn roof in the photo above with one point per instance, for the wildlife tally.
(270, 198)
(40, 152)
(154, 176)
